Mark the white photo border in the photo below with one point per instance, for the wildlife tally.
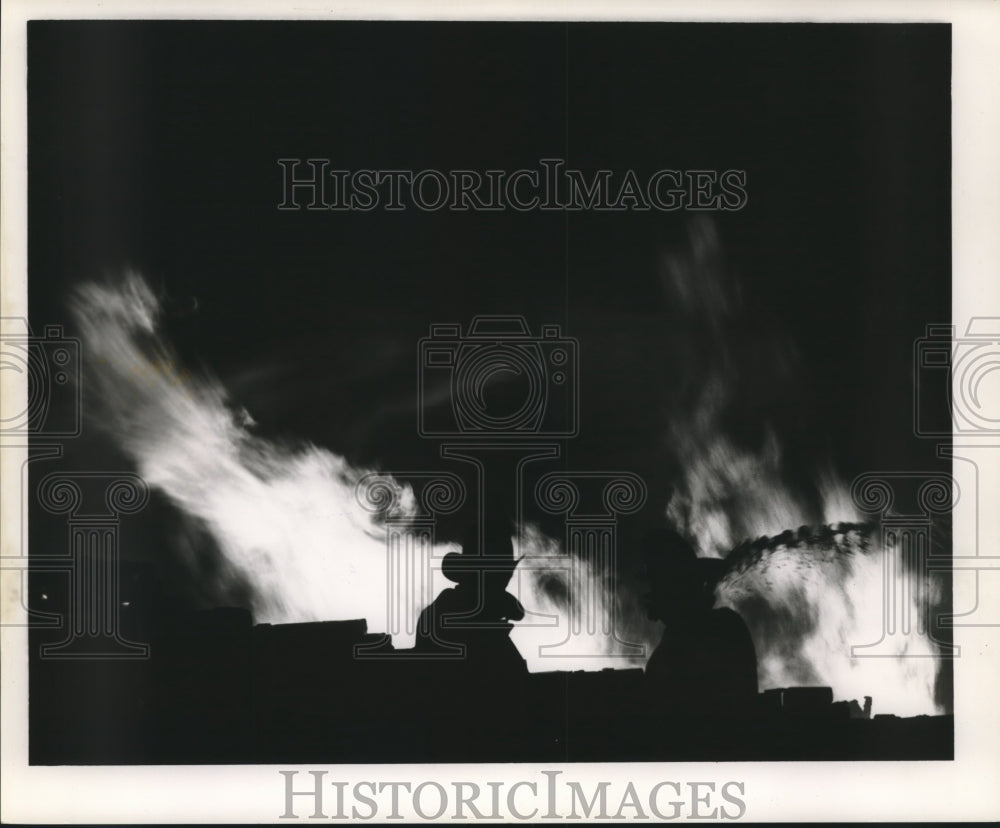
(959, 790)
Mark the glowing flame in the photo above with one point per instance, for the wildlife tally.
(575, 617)
(288, 523)
(726, 494)
(807, 597)
(810, 597)
(285, 520)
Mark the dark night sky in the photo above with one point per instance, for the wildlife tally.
(154, 145)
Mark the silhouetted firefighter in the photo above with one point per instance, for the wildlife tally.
(478, 612)
(474, 674)
(706, 661)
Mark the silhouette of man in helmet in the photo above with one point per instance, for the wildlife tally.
(473, 619)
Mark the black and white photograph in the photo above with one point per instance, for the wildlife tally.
(538, 417)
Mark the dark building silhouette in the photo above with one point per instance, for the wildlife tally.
(218, 689)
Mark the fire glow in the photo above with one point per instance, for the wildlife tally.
(288, 523)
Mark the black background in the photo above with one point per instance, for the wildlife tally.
(154, 146)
